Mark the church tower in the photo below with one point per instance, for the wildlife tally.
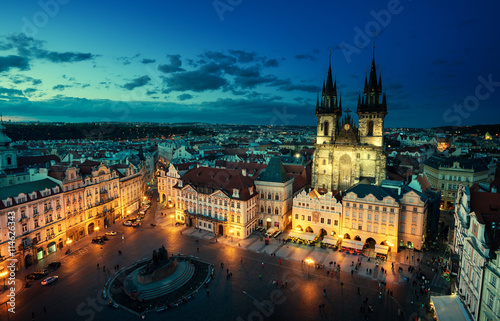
(371, 110)
(8, 158)
(328, 111)
(346, 154)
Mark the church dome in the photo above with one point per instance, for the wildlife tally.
(4, 139)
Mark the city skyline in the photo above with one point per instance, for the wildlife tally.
(245, 62)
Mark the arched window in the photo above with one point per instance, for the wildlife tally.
(269, 196)
(262, 208)
(325, 129)
(276, 211)
(370, 128)
(269, 210)
(277, 197)
(9, 161)
(324, 161)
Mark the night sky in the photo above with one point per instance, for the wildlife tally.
(246, 61)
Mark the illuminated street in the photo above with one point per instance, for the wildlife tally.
(244, 295)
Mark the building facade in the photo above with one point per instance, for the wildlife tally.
(446, 174)
(35, 211)
(345, 154)
(221, 201)
(317, 214)
(275, 188)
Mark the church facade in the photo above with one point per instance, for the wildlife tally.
(346, 154)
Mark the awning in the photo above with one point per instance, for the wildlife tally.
(357, 245)
(381, 249)
(449, 308)
(304, 236)
(271, 230)
(330, 239)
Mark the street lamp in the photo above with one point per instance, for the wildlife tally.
(68, 242)
(309, 263)
(172, 218)
(96, 229)
(4, 276)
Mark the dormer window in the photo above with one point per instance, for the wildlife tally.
(236, 192)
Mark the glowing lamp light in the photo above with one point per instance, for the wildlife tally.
(96, 228)
(309, 261)
(171, 215)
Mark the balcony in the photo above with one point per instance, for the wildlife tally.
(23, 219)
(47, 210)
(50, 237)
(58, 206)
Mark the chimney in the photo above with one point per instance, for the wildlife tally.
(244, 172)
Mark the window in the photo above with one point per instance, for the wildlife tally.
(391, 219)
(404, 208)
(303, 217)
(370, 207)
(276, 211)
(384, 209)
(415, 210)
(490, 300)
(376, 208)
(375, 229)
(232, 218)
(360, 206)
(353, 205)
(360, 215)
(309, 218)
(237, 219)
(369, 216)
(414, 219)
(392, 210)
(402, 217)
(493, 281)
(384, 218)
(322, 220)
(336, 222)
(296, 216)
(346, 204)
(360, 226)
(25, 227)
(413, 231)
(369, 228)
(376, 217)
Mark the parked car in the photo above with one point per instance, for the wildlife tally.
(55, 264)
(33, 276)
(127, 223)
(136, 224)
(49, 280)
(111, 233)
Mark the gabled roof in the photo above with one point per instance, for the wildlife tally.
(26, 188)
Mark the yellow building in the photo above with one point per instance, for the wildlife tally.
(445, 174)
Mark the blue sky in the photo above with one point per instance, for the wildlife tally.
(241, 61)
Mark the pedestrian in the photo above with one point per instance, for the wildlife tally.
(208, 292)
(327, 273)
(222, 265)
(341, 284)
(359, 290)
(241, 260)
(280, 261)
(324, 292)
(352, 272)
(97, 265)
(227, 271)
(104, 268)
(262, 264)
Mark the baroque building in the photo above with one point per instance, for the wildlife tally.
(344, 153)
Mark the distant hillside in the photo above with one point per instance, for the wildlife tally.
(94, 131)
(477, 129)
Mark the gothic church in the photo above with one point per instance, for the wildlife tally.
(346, 154)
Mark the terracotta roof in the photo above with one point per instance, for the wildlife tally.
(226, 180)
(36, 160)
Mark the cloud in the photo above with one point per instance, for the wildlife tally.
(60, 87)
(138, 82)
(148, 61)
(11, 95)
(271, 63)
(28, 47)
(439, 62)
(174, 66)
(305, 57)
(8, 62)
(151, 92)
(196, 81)
(184, 97)
(243, 56)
